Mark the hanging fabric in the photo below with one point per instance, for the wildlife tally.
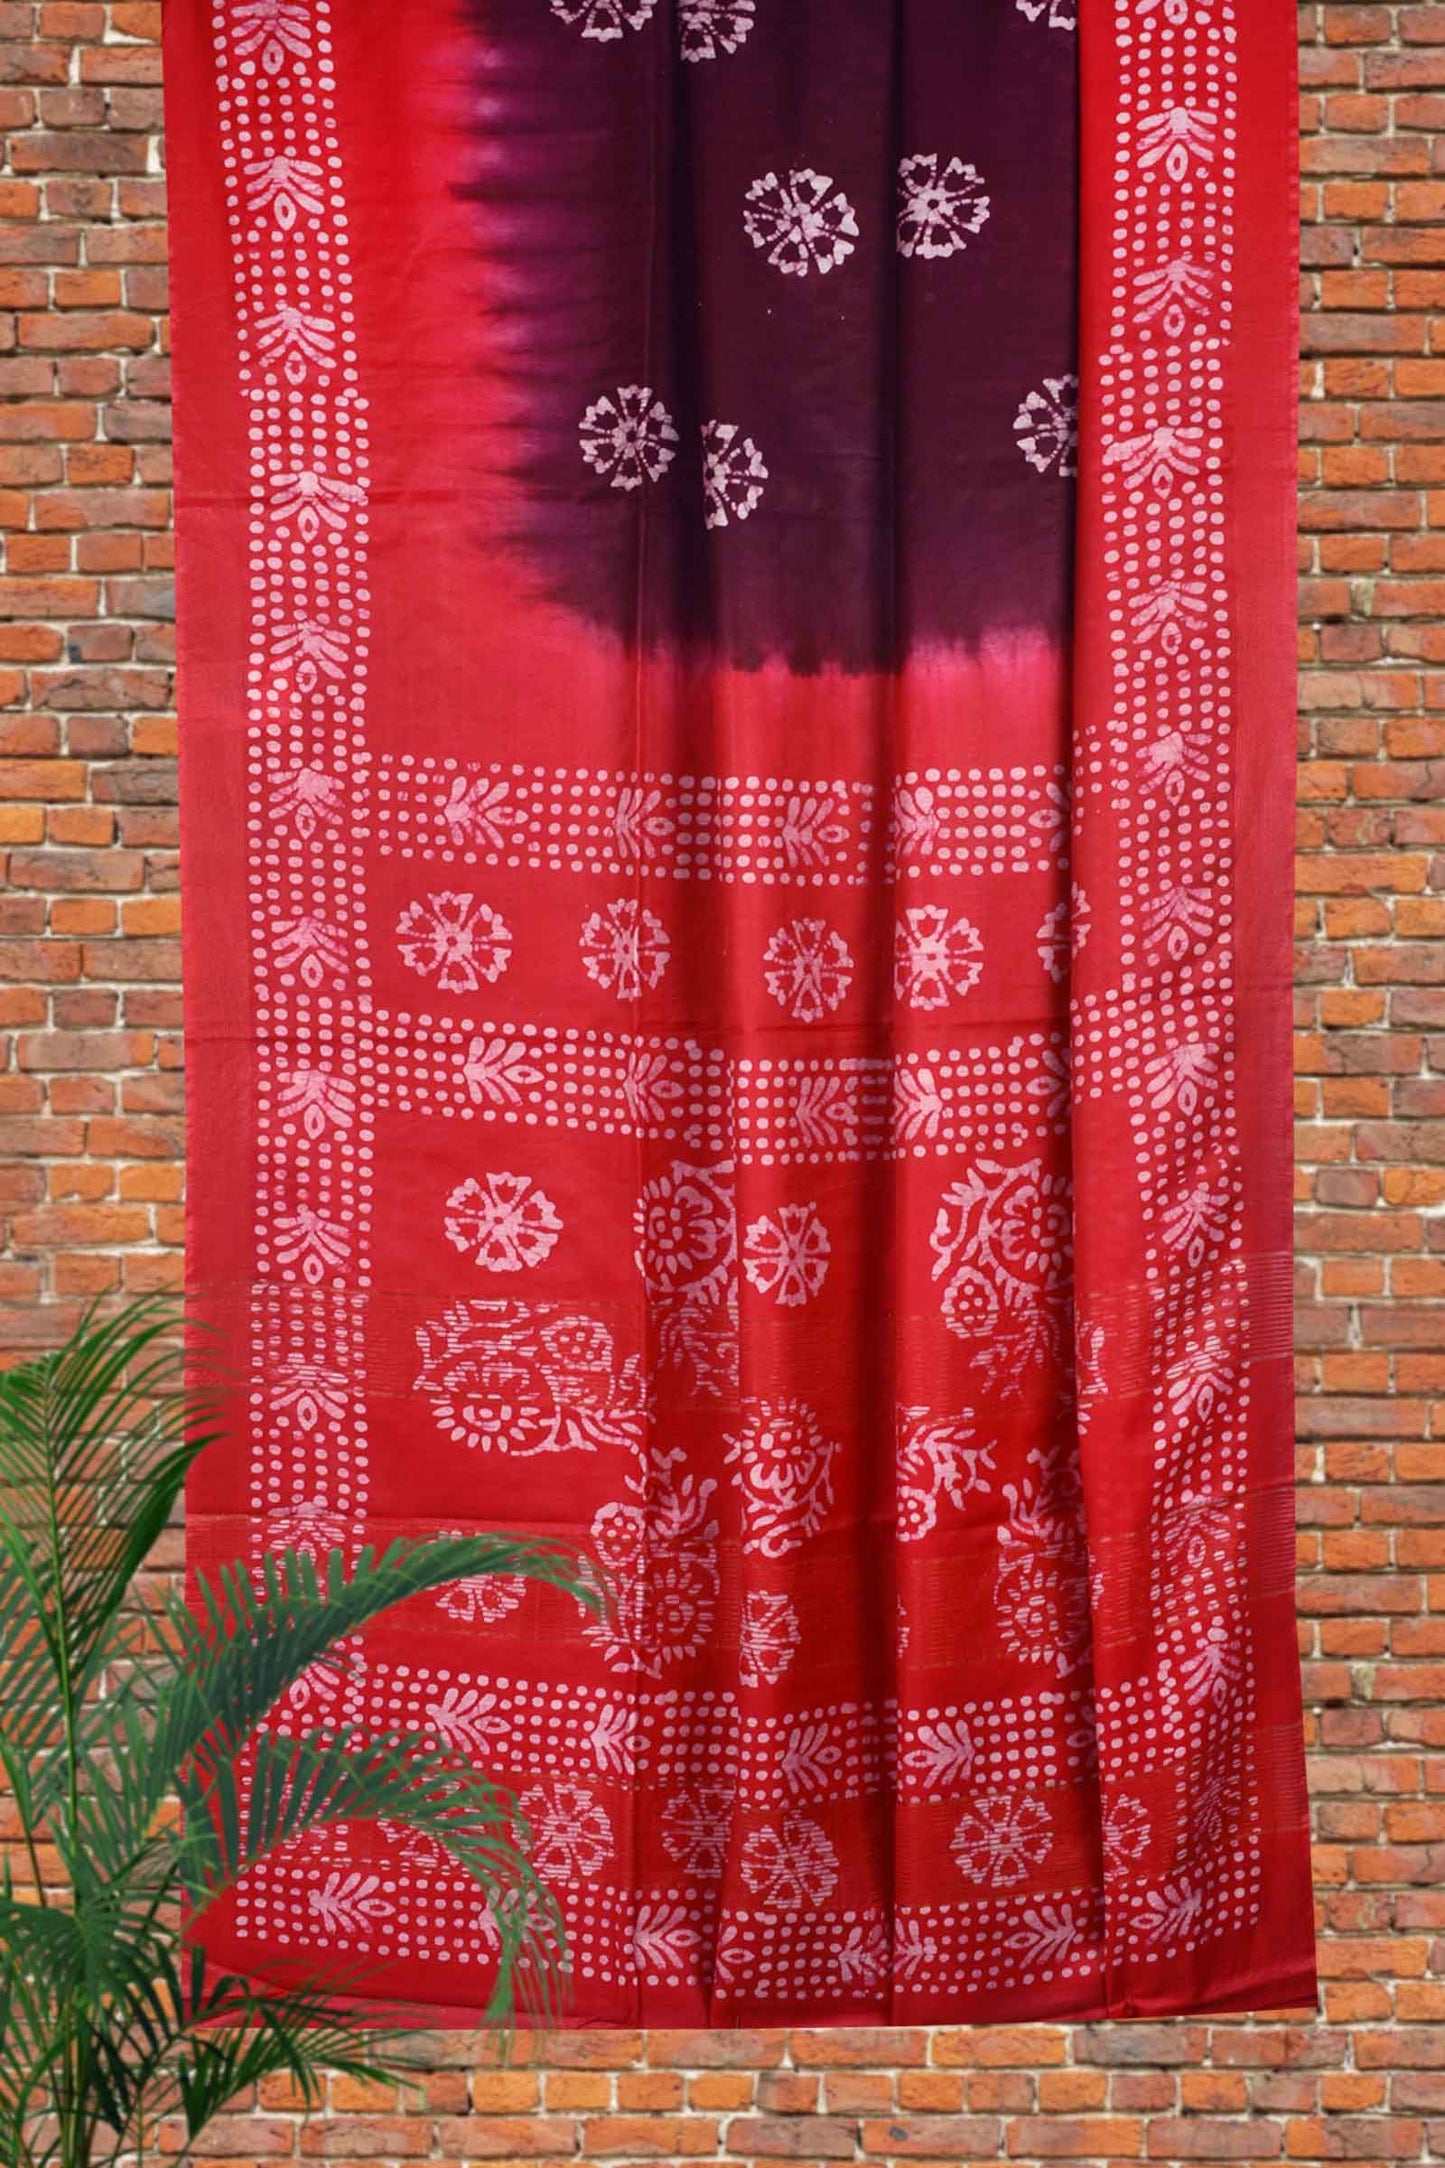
(735, 630)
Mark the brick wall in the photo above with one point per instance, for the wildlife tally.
(90, 1177)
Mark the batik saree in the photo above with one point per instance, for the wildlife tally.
(735, 628)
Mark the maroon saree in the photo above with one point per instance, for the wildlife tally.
(735, 619)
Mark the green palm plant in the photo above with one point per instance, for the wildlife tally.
(111, 2014)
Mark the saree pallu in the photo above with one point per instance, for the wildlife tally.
(736, 675)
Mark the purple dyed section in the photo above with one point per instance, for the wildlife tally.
(612, 181)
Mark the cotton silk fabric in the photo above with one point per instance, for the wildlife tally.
(735, 627)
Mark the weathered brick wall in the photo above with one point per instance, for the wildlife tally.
(90, 1178)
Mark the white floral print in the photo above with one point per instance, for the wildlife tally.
(792, 1866)
(1059, 14)
(604, 19)
(1047, 426)
(1041, 1590)
(571, 1831)
(1003, 1245)
(1062, 934)
(455, 940)
(782, 1466)
(786, 1255)
(936, 959)
(808, 969)
(802, 227)
(628, 437)
(733, 474)
(769, 1639)
(695, 1829)
(1000, 1838)
(1125, 1833)
(658, 1550)
(939, 1457)
(504, 1222)
(624, 948)
(521, 1378)
(940, 207)
(687, 1253)
(707, 28)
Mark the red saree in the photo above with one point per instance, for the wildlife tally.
(737, 781)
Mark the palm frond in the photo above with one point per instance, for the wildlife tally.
(95, 1442)
(246, 1642)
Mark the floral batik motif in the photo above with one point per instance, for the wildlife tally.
(736, 615)
(657, 1548)
(521, 1379)
(781, 1463)
(1003, 1249)
(687, 1254)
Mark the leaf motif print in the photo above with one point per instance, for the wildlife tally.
(272, 31)
(499, 1072)
(1178, 139)
(344, 1902)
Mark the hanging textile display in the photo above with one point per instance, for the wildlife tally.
(736, 687)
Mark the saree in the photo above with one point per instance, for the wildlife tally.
(736, 675)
